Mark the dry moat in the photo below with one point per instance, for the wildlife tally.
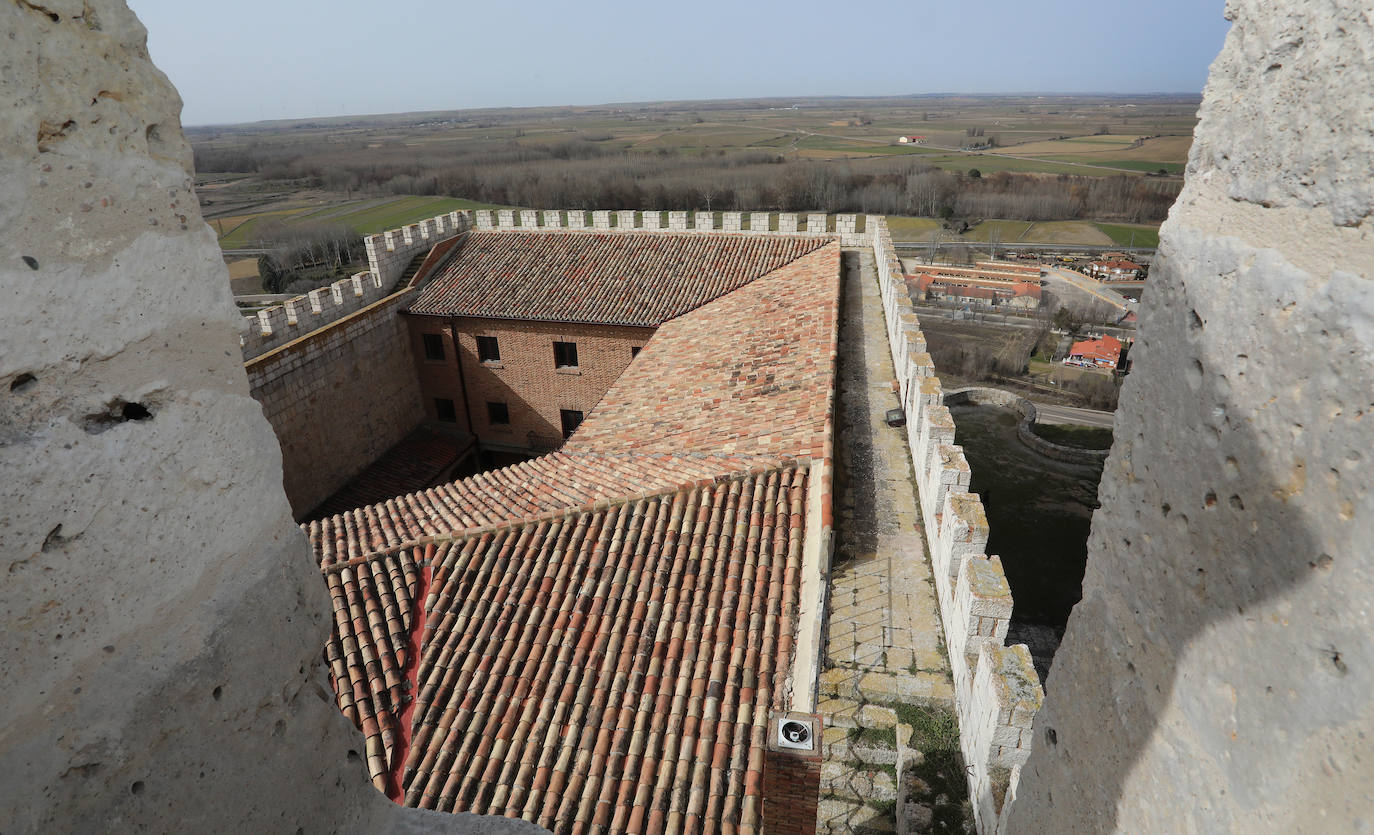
(1039, 514)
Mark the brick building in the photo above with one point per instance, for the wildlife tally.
(605, 637)
(517, 336)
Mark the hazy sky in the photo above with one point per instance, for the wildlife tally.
(254, 59)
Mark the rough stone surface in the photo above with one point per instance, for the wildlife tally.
(1217, 675)
(1313, 63)
(163, 622)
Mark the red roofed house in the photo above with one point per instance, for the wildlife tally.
(1114, 270)
(1103, 352)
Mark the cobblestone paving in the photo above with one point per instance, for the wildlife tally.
(883, 644)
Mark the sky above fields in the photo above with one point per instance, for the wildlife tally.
(254, 59)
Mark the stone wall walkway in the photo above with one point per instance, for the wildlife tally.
(884, 651)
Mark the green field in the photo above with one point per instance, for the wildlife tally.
(1124, 234)
(911, 228)
(371, 216)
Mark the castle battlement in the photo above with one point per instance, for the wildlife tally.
(996, 690)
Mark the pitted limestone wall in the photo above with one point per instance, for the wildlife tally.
(996, 691)
(161, 668)
(338, 398)
(1218, 674)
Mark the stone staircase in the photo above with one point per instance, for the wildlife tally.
(866, 773)
(412, 268)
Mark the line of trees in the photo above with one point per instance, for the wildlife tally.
(307, 255)
(586, 174)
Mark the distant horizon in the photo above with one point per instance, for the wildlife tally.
(691, 101)
(264, 60)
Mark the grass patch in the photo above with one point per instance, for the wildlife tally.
(404, 211)
(873, 737)
(1124, 234)
(938, 781)
(1066, 232)
(934, 728)
(1009, 230)
(1078, 437)
(912, 228)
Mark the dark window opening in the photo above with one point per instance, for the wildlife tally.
(565, 355)
(498, 414)
(488, 349)
(634, 351)
(434, 346)
(443, 407)
(571, 420)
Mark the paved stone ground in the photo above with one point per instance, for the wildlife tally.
(883, 646)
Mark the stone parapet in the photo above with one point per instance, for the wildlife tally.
(996, 690)
(277, 325)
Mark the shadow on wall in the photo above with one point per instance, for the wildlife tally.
(1205, 649)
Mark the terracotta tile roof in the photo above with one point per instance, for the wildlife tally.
(612, 668)
(742, 381)
(1106, 348)
(547, 483)
(751, 373)
(593, 639)
(607, 278)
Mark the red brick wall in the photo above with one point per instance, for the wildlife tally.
(525, 379)
(791, 790)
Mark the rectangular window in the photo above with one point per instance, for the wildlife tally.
(565, 354)
(443, 407)
(634, 351)
(434, 346)
(498, 414)
(488, 349)
(571, 420)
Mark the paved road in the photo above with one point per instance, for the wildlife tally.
(1087, 285)
(1047, 413)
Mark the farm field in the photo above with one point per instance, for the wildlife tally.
(1011, 232)
(802, 155)
(1131, 234)
(366, 217)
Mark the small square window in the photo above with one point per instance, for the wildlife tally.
(498, 414)
(443, 407)
(488, 349)
(571, 420)
(434, 346)
(565, 354)
(634, 351)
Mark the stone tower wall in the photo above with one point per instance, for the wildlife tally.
(1218, 675)
(163, 618)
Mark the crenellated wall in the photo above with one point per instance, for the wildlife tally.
(845, 227)
(996, 691)
(389, 255)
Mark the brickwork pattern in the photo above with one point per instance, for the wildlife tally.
(725, 415)
(338, 399)
(791, 786)
(525, 378)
